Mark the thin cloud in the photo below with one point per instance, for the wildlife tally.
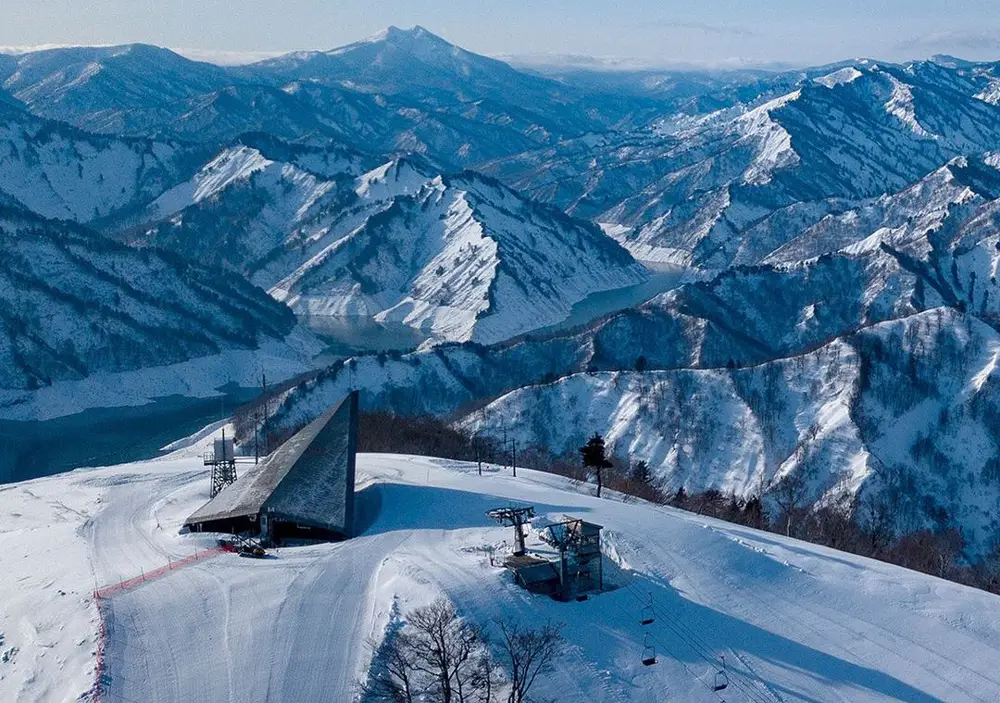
(955, 40)
(625, 63)
(703, 27)
(27, 49)
(227, 58)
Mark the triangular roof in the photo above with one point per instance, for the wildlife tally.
(309, 479)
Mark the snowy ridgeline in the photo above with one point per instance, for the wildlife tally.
(732, 186)
(792, 620)
(458, 257)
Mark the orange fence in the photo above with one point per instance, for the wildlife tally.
(125, 584)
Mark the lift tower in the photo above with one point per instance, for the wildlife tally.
(516, 517)
(223, 463)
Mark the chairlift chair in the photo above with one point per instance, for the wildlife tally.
(721, 678)
(648, 652)
(647, 617)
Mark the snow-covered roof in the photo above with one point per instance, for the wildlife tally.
(308, 480)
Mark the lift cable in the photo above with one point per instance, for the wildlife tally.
(664, 648)
(739, 681)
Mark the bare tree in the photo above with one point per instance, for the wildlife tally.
(436, 656)
(394, 679)
(528, 653)
(446, 648)
(790, 493)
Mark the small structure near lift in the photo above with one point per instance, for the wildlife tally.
(305, 489)
(579, 545)
(576, 572)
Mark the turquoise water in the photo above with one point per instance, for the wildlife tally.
(661, 280)
(106, 436)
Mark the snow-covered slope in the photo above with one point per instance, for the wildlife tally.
(58, 172)
(74, 303)
(794, 621)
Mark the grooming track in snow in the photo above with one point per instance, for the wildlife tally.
(795, 622)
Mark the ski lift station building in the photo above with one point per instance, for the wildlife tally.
(304, 489)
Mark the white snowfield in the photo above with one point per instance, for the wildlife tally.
(795, 622)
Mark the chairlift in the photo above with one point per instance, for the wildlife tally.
(647, 617)
(648, 652)
(721, 677)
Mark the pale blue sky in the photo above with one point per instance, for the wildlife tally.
(654, 31)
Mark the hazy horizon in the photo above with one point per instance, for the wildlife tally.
(644, 34)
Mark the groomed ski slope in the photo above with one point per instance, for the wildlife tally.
(795, 622)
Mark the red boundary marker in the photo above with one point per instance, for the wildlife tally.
(105, 591)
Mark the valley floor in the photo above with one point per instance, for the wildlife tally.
(795, 622)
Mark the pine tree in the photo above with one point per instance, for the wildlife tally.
(641, 473)
(680, 498)
(594, 458)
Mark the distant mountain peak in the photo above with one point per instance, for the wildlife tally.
(392, 36)
(414, 32)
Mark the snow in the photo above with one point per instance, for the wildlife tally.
(991, 94)
(230, 166)
(794, 621)
(846, 75)
(773, 142)
(66, 175)
(197, 378)
(900, 106)
(397, 177)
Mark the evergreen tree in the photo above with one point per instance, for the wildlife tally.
(680, 498)
(641, 473)
(594, 458)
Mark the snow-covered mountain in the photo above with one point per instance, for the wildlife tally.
(420, 67)
(458, 257)
(60, 172)
(691, 192)
(817, 212)
(405, 90)
(903, 407)
(73, 303)
(107, 89)
(842, 337)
